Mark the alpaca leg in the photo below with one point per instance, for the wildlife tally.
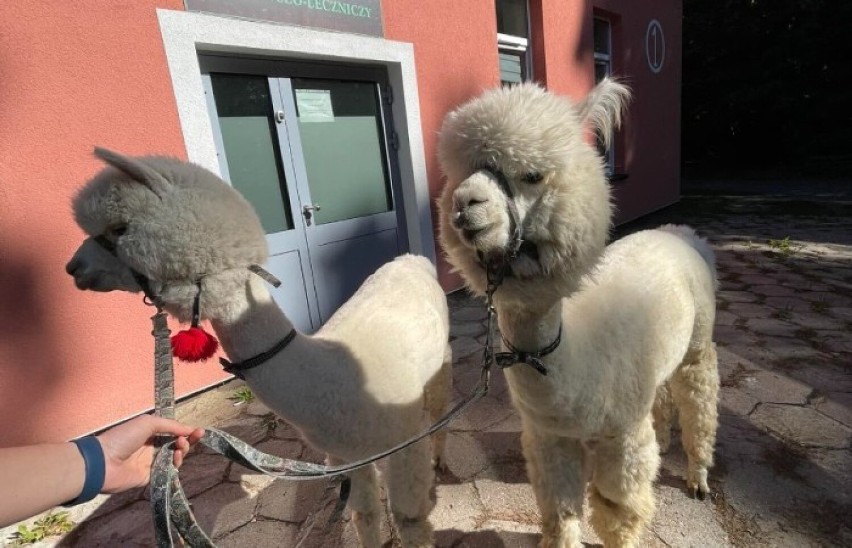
(366, 505)
(437, 398)
(664, 412)
(695, 389)
(622, 497)
(555, 466)
(410, 481)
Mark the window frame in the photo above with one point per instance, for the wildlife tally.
(605, 60)
(513, 44)
(188, 34)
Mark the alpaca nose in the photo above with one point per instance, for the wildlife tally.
(73, 265)
(458, 219)
(462, 204)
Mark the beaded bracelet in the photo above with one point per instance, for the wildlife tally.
(93, 456)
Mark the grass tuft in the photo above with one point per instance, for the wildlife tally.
(242, 395)
(51, 525)
(784, 247)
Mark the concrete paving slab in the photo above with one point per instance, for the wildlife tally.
(224, 509)
(802, 426)
(261, 533)
(514, 502)
(203, 472)
(291, 501)
(458, 507)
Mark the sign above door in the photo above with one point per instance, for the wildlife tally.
(356, 16)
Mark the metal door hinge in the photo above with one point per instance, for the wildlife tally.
(279, 116)
(393, 140)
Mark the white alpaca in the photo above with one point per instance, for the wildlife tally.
(635, 317)
(360, 385)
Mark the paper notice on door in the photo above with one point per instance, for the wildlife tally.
(314, 105)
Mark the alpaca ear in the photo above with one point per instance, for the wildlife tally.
(136, 170)
(603, 106)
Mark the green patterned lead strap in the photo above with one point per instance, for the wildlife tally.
(164, 378)
(171, 506)
(169, 503)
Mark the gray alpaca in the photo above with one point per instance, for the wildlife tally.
(367, 380)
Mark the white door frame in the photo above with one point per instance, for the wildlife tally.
(186, 34)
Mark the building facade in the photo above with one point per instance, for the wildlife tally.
(323, 113)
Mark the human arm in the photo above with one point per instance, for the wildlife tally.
(38, 477)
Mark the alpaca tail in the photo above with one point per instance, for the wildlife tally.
(701, 245)
(602, 108)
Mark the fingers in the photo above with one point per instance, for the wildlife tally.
(160, 425)
(183, 444)
(196, 435)
(181, 448)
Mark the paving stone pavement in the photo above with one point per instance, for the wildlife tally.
(783, 475)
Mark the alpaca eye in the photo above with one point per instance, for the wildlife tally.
(116, 231)
(532, 177)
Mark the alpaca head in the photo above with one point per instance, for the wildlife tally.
(535, 142)
(173, 222)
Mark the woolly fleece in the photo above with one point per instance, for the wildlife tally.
(635, 316)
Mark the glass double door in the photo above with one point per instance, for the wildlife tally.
(307, 146)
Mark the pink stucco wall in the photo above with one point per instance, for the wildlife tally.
(648, 147)
(455, 51)
(74, 74)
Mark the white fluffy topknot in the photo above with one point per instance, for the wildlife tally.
(522, 131)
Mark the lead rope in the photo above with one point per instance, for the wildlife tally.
(168, 500)
(169, 503)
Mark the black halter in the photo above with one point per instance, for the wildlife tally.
(234, 368)
(517, 245)
(141, 279)
(498, 268)
(516, 239)
(237, 368)
(533, 359)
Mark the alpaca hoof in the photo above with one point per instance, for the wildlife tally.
(697, 493)
(696, 483)
(439, 465)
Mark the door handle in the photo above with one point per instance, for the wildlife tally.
(308, 212)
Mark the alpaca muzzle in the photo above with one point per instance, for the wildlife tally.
(466, 203)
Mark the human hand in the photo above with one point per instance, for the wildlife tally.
(129, 450)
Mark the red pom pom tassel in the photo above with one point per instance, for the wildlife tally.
(194, 345)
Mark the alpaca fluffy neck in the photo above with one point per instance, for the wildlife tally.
(287, 382)
(254, 323)
(530, 312)
(527, 327)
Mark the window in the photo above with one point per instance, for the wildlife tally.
(250, 143)
(603, 48)
(513, 41)
(310, 147)
(602, 36)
